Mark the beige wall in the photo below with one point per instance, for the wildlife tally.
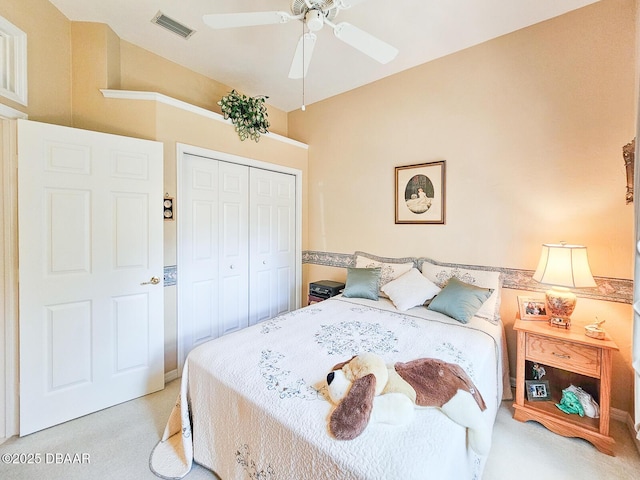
(49, 59)
(531, 126)
(102, 60)
(145, 71)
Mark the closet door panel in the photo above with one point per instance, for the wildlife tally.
(205, 303)
(234, 247)
(198, 251)
(272, 244)
(285, 275)
(261, 296)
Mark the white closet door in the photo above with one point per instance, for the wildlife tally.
(272, 245)
(198, 260)
(213, 250)
(234, 247)
(237, 246)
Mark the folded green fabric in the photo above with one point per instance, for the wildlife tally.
(570, 403)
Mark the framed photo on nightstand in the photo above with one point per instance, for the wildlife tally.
(538, 390)
(532, 308)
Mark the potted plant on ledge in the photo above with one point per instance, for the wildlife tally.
(248, 114)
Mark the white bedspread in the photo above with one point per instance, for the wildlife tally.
(252, 403)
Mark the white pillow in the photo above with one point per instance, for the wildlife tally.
(440, 274)
(410, 290)
(389, 270)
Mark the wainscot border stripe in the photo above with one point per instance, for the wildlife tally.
(170, 275)
(618, 290)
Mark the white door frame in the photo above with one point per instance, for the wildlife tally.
(181, 150)
(9, 413)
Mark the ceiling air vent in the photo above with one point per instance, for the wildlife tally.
(172, 25)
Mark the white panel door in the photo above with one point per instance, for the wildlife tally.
(213, 250)
(272, 244)
(90, 229)
(234, 247)
(198, 260)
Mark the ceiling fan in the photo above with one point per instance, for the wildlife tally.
(314, 14)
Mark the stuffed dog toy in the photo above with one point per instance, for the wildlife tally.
(365, 389)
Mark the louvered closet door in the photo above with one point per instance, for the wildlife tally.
(272, 244)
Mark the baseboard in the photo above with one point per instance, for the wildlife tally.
(170, 376)
(625, 418)
(620, 416)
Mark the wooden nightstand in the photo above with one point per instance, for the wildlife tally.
(569, 357)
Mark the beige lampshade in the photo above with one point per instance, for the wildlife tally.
(564, 265)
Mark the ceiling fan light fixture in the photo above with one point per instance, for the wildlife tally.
(314, 20)
(313, 14)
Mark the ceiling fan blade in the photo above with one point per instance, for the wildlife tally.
(302, 57)
(250, 19)
(366, 43)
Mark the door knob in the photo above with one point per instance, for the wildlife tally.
(152, 281)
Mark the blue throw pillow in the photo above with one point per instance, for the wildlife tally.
(362, 283)
(459, 300)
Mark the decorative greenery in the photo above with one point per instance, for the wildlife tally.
(248, 114)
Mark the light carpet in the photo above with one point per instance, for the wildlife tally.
(117, 443)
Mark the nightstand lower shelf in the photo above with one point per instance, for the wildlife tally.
(568, 357)
(566, 425)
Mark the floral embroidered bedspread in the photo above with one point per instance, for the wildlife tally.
(252, 403)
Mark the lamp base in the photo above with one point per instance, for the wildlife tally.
(560, 305)
(561, 322)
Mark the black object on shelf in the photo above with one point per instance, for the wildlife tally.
(324, 289)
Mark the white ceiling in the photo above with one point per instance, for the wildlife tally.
(256, 60)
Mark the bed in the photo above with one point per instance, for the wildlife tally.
(253, 404)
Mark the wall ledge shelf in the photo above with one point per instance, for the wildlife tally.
(174, 102)
(11, 113)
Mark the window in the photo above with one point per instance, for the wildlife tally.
(13, 62)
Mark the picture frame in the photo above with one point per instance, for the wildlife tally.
(420, 193)
(628, 155)
(538, 390)
(532, 308)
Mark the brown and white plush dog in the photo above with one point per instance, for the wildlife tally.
(364, 389)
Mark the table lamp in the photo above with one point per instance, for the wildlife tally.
(563, 266)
